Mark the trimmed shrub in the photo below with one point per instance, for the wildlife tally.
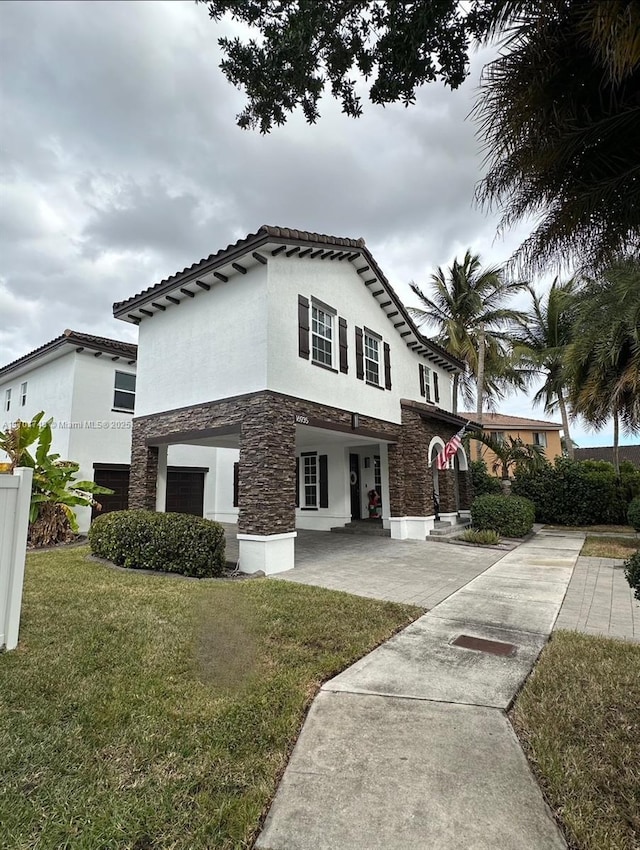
(173, 543)
(483, 483)
(481, 538)
(633, 514)
(632, 573)
(509, 516)
(574, 492)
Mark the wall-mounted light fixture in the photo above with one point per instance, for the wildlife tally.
(355, 421)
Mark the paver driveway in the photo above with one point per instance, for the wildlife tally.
(409, 571)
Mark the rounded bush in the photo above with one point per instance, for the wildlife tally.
(173, 543)
(632, 573)
(633, 514)
(483, 483)
(509, 516)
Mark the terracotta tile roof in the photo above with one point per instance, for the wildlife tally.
(68, 337)
(503, 421)
(265, 234)
(630, 453)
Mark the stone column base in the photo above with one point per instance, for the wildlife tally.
(411, 527)
(450, 516)
(272, 553)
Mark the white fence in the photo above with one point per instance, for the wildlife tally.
(15, 498)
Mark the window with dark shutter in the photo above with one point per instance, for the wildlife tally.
(436, 390)
(297, 482)
(324, 481)
(421, 372)
(303, 327)
(387, 366)
(236, 478)
(359, 355)
(342, 340)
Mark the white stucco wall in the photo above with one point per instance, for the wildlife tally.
(209, 347)
(49, 388)
(339, 286)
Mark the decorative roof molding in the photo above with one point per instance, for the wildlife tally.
(99, 344)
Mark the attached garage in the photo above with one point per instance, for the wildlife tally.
(185, 490)
(115, 476)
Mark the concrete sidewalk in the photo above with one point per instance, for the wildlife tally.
(410, 748)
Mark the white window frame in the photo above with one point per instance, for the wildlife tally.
(310, 482)
(117, 389)
(368, 348)
(540, 439)
(7, 400)
(323, 330)
(499, 436)
(428, 385)
(23, 393)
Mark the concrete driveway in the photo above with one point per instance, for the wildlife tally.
(410, 571)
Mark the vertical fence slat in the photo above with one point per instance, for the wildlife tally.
(14, 525)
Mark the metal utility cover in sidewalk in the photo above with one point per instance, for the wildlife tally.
(494, 647)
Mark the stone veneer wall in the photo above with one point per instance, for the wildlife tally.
(266, 423)
(465, 490)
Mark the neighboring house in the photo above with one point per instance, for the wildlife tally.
(532, 432)
(292, 349)
(87, 385)
(628, 453)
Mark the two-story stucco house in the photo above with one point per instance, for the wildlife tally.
(293, 349)
(87, 385)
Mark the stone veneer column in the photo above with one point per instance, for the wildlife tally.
(266, 492)
(413, 515)
(447, 493)
(465, 489)
(143, 473)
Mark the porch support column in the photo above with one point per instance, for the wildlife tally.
(161, 480)
(266, 491)
(448, 507)
(143, 473)
(418, 513)
(465, 489)
(384, 477)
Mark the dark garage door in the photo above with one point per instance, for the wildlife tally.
(185, 490)
(116, 477)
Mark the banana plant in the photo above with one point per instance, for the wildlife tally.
(29, 444)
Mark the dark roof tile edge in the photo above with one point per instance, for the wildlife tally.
(100, 343)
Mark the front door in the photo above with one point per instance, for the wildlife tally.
(354, 478)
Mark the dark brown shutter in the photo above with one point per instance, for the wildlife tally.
(342, 338)
(303, 327)
(324, 481)
(297, 482)
(359, 355)
(421, 371)
(387, 366)
(236, 478)
(436, 390)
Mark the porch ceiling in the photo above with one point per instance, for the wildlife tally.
(307, 435)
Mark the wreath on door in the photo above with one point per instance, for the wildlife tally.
(354, 478)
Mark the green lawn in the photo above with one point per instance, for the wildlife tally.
(578, 718)
(150, 712)
(610, 547)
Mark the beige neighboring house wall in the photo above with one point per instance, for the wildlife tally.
(530, 431)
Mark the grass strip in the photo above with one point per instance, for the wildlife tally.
(578, 719)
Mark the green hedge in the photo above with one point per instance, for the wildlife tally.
(509, 516)
(632, 573)
(483, 483)
(173, 543)
(633, 514)
(574, 492)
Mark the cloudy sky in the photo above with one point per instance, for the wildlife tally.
(121, 163)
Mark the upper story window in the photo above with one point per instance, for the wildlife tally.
(371, 358)
(124, 394)
(540, 439)
(7, 400)
(429, 384)
(23, 394)
(498, 436)
(322, 334)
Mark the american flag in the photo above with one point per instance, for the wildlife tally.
(451, 448)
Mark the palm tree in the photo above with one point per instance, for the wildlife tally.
(603, 360)
(465, 307)
(511, 453)
(557, 112)
(542, 345)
